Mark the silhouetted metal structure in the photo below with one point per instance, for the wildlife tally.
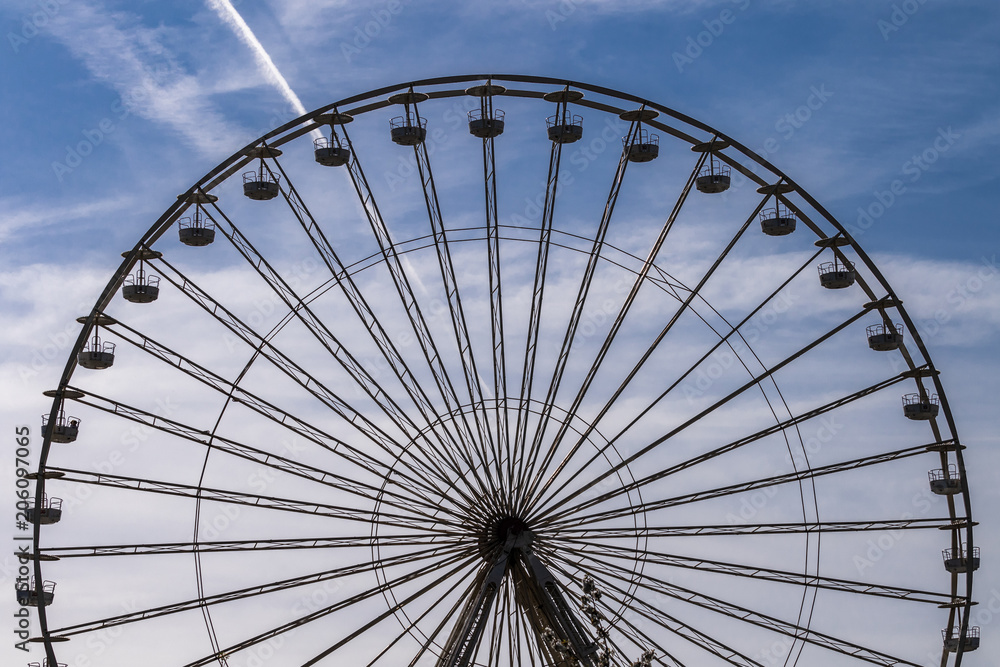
(465, 443)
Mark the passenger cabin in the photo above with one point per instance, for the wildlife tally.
(486, 126)
(27, 596)
(836, 274)
(199, 231)
(945, 481)
(96, 354)
(329, 152)
(408, 129)
(196, 232)
(959, 561)
(564, 128)
(714, 178)
(920, 407)
(261, 184)
(645, 148)
(778, 221)
(884, 337)
(141, 288)
(953, 640)
(50, 512)
(64, 429)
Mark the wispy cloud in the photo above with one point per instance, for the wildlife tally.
(133, 59)
(16, 217)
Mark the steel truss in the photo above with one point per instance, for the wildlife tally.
(578, 447)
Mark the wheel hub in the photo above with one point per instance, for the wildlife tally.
(494, 533)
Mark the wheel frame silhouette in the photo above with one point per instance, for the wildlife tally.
(497, 515)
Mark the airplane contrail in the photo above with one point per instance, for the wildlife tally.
(227, 12)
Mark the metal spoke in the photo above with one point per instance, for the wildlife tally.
(535, 314)
(771, 623)
(574, 321)
(302, 377)
(289, 421)
(459, 326)
(253, 591)
(779, 427)
(361, 307)
(322, 333)
(496, 292)
(596, 479)
(592, 373)
(392, 610)
(630, 554)
(430, 640)
(343, 604)
(647, 265)
(416, 319)
(723, 340)
(809, 473)
(267, 459)
(362, 541)
(808, 527)
(410, 628)
(266, 349)
(255, 500)
(672, 624)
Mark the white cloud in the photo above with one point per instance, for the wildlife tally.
(36, 215)
(134, 60)
(952, 303)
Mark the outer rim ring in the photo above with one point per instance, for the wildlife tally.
(376, 99)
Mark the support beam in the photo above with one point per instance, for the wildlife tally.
(561, 637)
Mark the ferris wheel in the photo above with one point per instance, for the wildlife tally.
(500, 370)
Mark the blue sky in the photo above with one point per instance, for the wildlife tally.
(888, 113)
(173, 84)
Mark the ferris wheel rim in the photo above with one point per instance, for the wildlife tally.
(292, 130)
